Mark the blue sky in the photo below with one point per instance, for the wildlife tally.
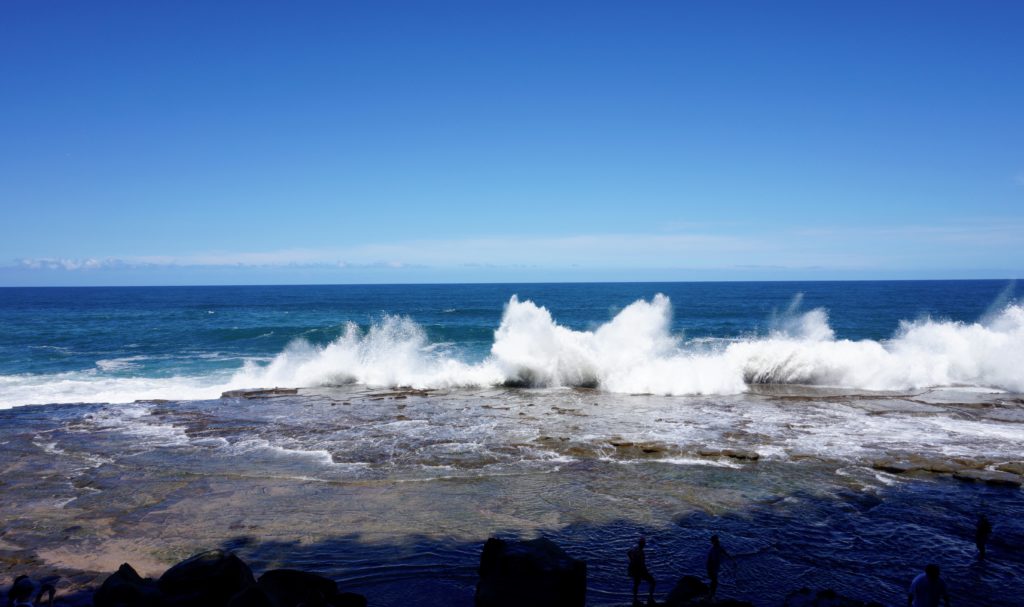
(260, 142)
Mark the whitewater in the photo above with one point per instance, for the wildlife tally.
(635, 352)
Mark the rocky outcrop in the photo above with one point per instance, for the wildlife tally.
(991, 477)
(893, 466)
(219, 579)
(1008, 474)
(733, 453)
(207, 579)
(688, 588)
(910, 462)
(260, 393)
(535, 572)
(634, 450)
(126, 588)
(1012, 467)
(290, 588)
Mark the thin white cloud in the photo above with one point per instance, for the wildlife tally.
(825, 247)
(60, 263)
(612, 249)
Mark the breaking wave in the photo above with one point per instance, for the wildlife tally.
(634, 352)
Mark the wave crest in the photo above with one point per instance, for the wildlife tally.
(636, 352)
(393, 352)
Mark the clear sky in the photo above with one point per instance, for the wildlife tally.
(487, 141)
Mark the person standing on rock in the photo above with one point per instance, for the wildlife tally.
(927, 588)
(638, 571)
(715, 556)
(981, 534)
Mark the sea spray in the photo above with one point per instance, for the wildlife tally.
(392, 352)
(530, 348)
(636, 351)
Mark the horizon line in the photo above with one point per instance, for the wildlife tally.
(495, 283)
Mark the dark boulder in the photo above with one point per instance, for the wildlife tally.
(688, 587)
(289, 588)
(742, 454)
(349, 599)
(208, 579)
(253, 596)
(126, 588)
(536, 573)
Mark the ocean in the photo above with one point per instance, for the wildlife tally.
(429, 417)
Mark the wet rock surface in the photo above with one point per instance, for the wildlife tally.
(910, 463)
(1012, 468)
(990, 477)
(740, 454)
(260, 393)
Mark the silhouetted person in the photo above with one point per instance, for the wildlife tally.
(981, 535)
(927, 588)
(638, 571)
(715, 556)
(20, 594)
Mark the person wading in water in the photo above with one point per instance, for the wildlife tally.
(715, 556)
(981, 534)
(638, 571)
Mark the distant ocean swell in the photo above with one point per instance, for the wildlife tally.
(635, 352)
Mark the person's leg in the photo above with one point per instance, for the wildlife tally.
(636, 587)
(46, 589)
(650, 587)
(714, 583)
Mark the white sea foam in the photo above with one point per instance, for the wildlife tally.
(89, 387)
(687, 461)
(634, 352)
(120, 364)
(259, 445)
(392, 352)
(137, 421)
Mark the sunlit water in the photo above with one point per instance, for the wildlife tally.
(429, 418)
